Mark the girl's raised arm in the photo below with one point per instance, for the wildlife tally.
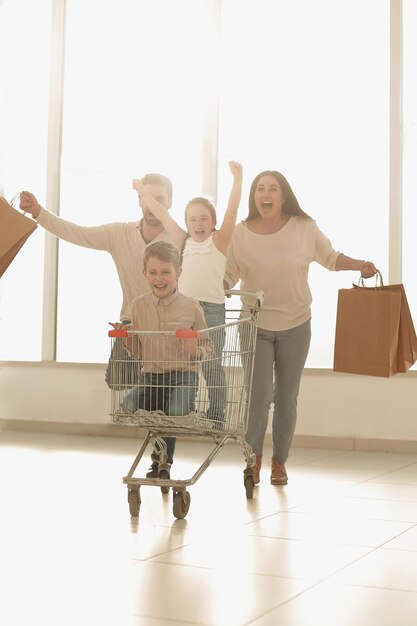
(176, 233)
(223, 235)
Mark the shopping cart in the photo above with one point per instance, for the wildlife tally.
(193, 384)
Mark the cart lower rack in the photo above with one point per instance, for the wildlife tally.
(182, 383)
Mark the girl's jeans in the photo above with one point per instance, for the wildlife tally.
(213, 371)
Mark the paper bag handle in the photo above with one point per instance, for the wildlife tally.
(378, 275)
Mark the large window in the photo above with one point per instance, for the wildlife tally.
(138, 88)
(181, 87)
(303, 92)
(410, 155)
(24, 64)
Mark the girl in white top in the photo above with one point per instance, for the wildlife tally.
(203, 268)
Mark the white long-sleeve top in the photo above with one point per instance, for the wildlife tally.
(278, 265)
(123, 240)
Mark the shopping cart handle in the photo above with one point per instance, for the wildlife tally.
(118, 332)
(258, 296)
(182, 333)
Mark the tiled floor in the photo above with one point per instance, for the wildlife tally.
(337, 546)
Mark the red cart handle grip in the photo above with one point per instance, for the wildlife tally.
(181, 333)
(120, 332)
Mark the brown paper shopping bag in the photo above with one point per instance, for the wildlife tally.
(368, 336)
(14, 231)
(407, 338)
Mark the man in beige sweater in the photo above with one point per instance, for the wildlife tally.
(125, 241)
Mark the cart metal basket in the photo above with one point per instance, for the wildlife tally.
(193, 384)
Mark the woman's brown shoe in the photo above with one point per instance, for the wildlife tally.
(278, 473)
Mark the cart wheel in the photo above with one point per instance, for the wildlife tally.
(164, 474)
(181, 504)
(249, 486)
(133, 498)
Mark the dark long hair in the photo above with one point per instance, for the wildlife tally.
(290, 206)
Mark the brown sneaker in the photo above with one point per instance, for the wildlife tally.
(278, 473)
(257, 469)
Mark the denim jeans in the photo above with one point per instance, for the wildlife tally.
(122, 370)
(173, 393)
(213, 371)
(279, 362)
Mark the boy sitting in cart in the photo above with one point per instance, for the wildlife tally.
(169, 364)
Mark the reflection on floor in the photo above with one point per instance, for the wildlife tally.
(337, 546)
